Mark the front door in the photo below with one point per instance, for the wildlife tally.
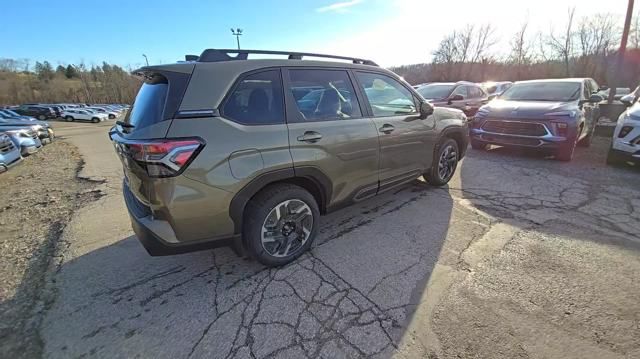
(328, 132)
(406, 141)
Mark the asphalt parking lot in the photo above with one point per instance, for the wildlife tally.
(519, 257)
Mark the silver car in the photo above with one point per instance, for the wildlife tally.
(9, 153)
(26, 139)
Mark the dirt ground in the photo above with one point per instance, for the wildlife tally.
(37, 199)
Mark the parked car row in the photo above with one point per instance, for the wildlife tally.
(21, 136)
(552, 115)
(68, 112)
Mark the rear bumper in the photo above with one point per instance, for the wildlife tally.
(158, 238)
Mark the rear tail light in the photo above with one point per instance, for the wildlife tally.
(164, 158)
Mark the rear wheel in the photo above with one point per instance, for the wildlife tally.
(69, 119)
(477, 145)
(95, 120)
(42, 117)
(445, 162)
(280, 224)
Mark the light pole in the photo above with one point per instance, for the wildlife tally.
(621, 52)
(237, 33)
(146, 59)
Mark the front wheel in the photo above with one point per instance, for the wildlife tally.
(445, 162)
(42, 117)
(69, 119)
(280, 224)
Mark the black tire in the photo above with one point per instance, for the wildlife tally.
(42, 117)
(442, 157)
(477, 145)
(111, 117)
(95, 120)
(69, 119)
(586, 142)
(255, 216)
(566, 151)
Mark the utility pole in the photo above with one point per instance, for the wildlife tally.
(623, 48)
(146, 59)
(237, 33)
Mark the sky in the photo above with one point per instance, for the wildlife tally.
(390, 32)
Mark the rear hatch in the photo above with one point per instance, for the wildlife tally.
(140, 139)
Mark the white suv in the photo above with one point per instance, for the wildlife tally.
(625, 146)
(83, 115)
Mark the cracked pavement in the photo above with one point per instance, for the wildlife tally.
(520, 256)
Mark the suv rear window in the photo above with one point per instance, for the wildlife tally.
(158, 98)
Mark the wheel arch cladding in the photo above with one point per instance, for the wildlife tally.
(311, 179)
(459, 135)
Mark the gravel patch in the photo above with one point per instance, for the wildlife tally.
(37, 199)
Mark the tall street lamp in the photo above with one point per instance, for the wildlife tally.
(237, 33)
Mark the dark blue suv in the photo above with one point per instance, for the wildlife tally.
(551, 115)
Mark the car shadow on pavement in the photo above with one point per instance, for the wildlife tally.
(352, 295)
(556, 274)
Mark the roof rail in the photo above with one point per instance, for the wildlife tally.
(215, 55)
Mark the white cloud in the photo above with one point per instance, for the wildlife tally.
(339, 6)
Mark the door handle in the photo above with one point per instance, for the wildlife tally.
(310, 136)
(386, 128)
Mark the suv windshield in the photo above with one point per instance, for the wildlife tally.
(543, 91)
(435, 91)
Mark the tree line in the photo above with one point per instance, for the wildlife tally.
(20, 82)
(581, 47)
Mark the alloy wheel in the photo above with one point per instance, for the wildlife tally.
(287, 228)
(447, 162)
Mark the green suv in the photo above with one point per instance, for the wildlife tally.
(222, 150)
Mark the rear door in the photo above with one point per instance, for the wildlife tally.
(406, 141)
(329, 132)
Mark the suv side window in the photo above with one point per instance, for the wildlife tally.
(386, 95)
(462, 91)
(256, 100)
(324, 95)
(475, 92)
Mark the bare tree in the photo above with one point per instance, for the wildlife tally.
(634, 36)
(520, 54)
(562, 44)
(597, 37)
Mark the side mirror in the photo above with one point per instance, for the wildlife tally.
(426, 110)
(628, 100)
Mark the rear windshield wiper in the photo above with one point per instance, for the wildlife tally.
(124, 124)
